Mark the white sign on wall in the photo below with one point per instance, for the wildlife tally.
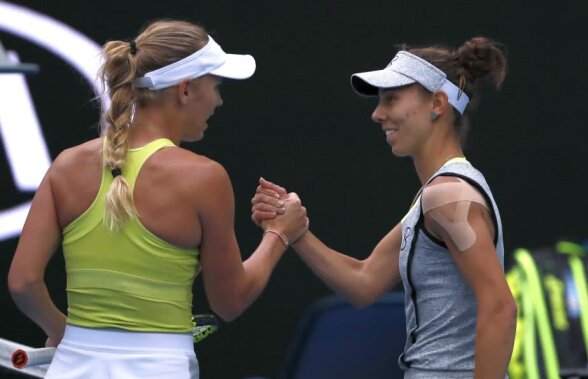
(20, 131)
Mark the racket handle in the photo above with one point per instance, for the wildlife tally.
(22, 358)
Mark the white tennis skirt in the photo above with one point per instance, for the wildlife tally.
(87, 353)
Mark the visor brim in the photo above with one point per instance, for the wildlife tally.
(236, 67)
(368, 83)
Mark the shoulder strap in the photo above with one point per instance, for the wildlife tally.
(138, 156)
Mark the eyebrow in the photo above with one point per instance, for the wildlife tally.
(388, 91)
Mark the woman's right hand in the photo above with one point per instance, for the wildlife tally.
(293, 223)
(268, 201)
(52, 342)
(54, 338)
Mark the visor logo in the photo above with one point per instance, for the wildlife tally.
(20, 131)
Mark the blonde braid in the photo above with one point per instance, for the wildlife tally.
(159, 44)
(119, 70)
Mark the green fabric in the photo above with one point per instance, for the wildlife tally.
(539, 312)
(129, 279)
(516, 367)
(576, 252)
(555, 289)
(529, 337)
(570, 248)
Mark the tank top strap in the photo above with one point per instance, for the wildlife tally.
(136, 157)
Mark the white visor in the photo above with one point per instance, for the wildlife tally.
(211, 59)
(404, 69)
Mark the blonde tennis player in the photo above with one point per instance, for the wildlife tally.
(139, 217)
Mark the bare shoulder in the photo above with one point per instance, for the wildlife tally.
(446, 179)
(78, 157)
(74, 178)
(193, 170)
(450, 189)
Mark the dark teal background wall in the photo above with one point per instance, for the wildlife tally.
(298, 122)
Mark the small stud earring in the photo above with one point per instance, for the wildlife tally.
(434, 116)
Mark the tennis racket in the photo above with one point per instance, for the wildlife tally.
(203, 326)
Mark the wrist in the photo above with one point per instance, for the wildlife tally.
(279, 234)
(300, 238)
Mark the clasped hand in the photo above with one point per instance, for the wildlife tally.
(274, 208)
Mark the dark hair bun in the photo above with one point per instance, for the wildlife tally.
(482, 58)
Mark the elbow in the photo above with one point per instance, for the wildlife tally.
(510, 311)
(508, 318)
(226, 315)
(507, 308)
(362, 299)
(228, 310)
(233, 300)
(361, 302)
(364, 295)
(20, 285)
(367, 289)
(504, 313)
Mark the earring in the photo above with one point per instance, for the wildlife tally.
(434, 116)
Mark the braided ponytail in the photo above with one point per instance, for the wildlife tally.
(118, 70)
(161, 43)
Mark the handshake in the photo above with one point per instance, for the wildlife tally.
(279, 212)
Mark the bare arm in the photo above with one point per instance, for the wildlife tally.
(361, 281)
(232, 285)
(39, 239)
(496, 318)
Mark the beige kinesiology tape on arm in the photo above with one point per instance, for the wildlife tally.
(448, 203)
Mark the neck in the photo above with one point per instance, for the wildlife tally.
(153, 123)
(432, 158)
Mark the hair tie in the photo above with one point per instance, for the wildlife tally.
(116, 172)
(133, 47)
(462, 85)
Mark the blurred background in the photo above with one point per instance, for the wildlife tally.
(298, 122)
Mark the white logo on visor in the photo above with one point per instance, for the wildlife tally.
(21, 134)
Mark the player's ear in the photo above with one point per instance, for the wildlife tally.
(439, 105)
(183, 91)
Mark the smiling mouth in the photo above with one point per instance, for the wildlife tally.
(390, 131)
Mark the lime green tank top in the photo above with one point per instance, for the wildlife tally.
(130, 278)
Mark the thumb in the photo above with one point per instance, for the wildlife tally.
(272, 186)
(293, 197)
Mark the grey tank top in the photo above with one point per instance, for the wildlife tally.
(440, 307)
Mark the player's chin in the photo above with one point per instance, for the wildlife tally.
(193, 137)
(398, 152)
